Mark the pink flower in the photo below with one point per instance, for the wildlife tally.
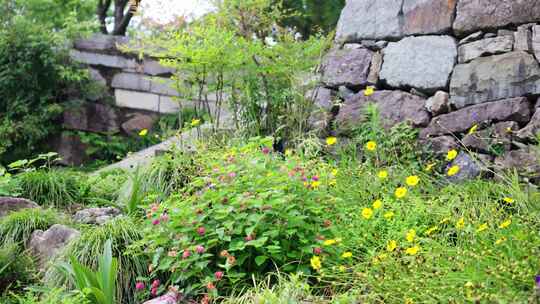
(232, 174)
(265, 150)
(153, 291)
(199, 249)
(155, 222)
(315, 178)
(139, 286)
(210, 286)
(218, 275)
(164, 217)
(186, 254)
(201, 231)
(249, 238)
(317, 251)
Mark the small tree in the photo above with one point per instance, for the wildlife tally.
(124, 10)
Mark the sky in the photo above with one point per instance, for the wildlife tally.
(165, 10)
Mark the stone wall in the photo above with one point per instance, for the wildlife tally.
(444, 66)
(134, 94)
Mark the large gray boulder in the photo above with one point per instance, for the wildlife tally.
(535, 43)
(469, 168)
(139, 121)
(393, 19)
(346, 67)
(424, 63)
(514, 109)
(100, 42)
(12, 204)
(496, 77)
(393, 106)
(525, 161)
(474, 15)
(45, 245)
(91, 117)
(532, 128)
(488, 46)
(96, 216)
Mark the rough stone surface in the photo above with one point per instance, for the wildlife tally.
(138, 122)
(152, 67)
(492, 139)
(474, 15)
(323, 98)
(532, 128)
(496, 77)
(137, 100)
(11, 204)
(170, 298)
(535, 44)
(111, 61)
(394, 107)
(525, 161)
(489, 46)
(438, 104)
(97, 77)
(96, 216)
(45, 245)
(468, 168)
(523, 38)
(391, 19)
(375, 69)
(424, 62)
(346, 67)
(440, 145)
(344, 92)
(514, 109)
(131, 81)
(472, 37)
(71, 149)
(100, 42)
(91, 117)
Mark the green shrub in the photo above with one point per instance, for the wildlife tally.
(16, 267)
(45, 296)
(17, 227)
(51, 187)
(36, 78)
(104, 187)
(247, 214)
(87, 249)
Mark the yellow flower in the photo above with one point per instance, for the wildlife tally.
(195, 122)
(347, 255)
(315, 184)
(453, 170)
(469, 284)
(334, 172)
(367, 213)
(429, 167)
(369, 91)
(288, 152)
(143, 132)
(508, 130)
(451, 155)
(391, 246)
(401, 192)
(316, 263)
(508, 200)
(482, 227)
(377, 204)
(409, 301)
(412, 180)
(329, 242)
(389, 215)
(473, 129)
(444, 220)
(431, 230)
(460, 223)
(342, 268)
(505, 224)
(331, 140)
(410, 235)
(412, 250)
(371, 145)
(499, 241)
(383, 174)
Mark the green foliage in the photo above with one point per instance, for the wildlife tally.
(15, 267)
(245, 213)
(100, 286)
(313, 15)
(87, 249)
(35, 79)
(237, 52)
(17, 226)
(45, 296)
(51, 187)
(103, 188)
